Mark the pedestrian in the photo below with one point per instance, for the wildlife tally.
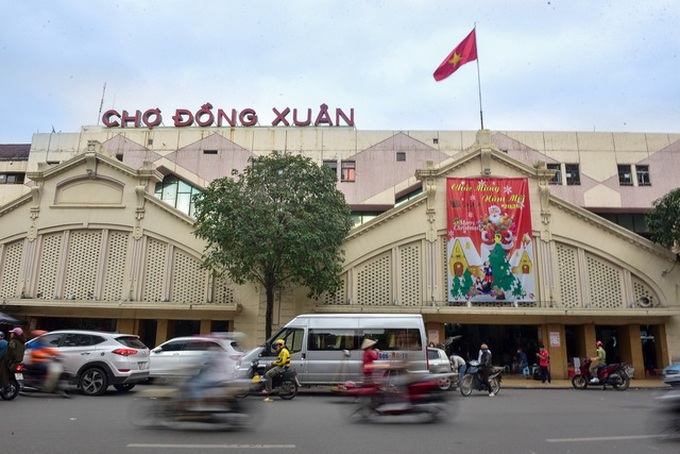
(458, 364)
(370, 356)
(544, 363)
(523, 363)
(13, 356)
(485, 367)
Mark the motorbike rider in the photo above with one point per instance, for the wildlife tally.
(3, 345)
(213, 374)
(485, 367)
(13, 356)
(42, 361)
(599, 359)
(279, 366)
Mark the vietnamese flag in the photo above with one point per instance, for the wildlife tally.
(464, 52)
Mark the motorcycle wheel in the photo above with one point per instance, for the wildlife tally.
(620, 382)
(11, 391)
(579, 381)
(466, 385)
(495, 386)
(288, 389)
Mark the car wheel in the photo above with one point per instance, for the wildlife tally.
(125, 387)
(93, 382)
(445, 383)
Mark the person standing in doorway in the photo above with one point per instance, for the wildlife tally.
(544, 363)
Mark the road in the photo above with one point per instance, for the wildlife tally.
(515, 421)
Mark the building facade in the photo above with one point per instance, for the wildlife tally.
(98, 234)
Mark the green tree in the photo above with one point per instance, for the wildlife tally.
(281, 220)
(663, 220)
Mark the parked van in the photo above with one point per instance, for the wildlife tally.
(325, 348)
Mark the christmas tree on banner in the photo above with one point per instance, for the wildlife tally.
(504, 282)
(460, 285)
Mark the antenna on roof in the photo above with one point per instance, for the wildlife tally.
(101, 104)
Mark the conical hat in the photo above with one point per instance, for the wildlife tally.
(367, 343)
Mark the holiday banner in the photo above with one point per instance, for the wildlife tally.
(489, 250)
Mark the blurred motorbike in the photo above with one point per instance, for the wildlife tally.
(168, 406)
(664, 420)
(28, 379)
(285, 386)
(397, 395)
(615, 375)
(473, 381)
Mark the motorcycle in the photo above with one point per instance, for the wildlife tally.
(26, 379)
(16, 377)
(168, 406)
(615, 375)
(54, 381)
(398, 395)
(472, 380)
(285, 386)
(664, 420)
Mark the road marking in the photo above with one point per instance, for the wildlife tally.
(629, 437)
(249, 446)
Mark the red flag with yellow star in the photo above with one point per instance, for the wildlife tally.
(464, 52)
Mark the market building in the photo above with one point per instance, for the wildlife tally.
(97, 233)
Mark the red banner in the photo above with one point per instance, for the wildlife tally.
(489, 241)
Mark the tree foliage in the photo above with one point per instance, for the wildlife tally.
(281, 220)
(663, 220)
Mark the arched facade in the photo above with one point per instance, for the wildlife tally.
(89, 241)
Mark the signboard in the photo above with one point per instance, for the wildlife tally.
(490, 254)
(208, 116)
(554, 338)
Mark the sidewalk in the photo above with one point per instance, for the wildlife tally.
(515, 381)
(519, 382)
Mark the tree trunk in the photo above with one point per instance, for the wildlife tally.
(269, 315)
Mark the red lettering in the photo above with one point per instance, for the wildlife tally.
(179, 118)
(127, 118)
(281, 116)
(106, 118)
(339, 113)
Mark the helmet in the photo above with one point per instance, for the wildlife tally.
(279, 342)
(599, 343)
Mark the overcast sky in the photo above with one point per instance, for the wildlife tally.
(558, 65)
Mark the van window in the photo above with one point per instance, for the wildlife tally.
(294, 338)
(396, 338)
(332, 339)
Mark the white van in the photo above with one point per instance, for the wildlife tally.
(325, 348)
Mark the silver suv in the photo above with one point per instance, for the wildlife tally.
(96, 360)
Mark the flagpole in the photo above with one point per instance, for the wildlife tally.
(479, 83)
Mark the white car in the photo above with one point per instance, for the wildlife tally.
(96, 360)
(185, 356)
(439, 363)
